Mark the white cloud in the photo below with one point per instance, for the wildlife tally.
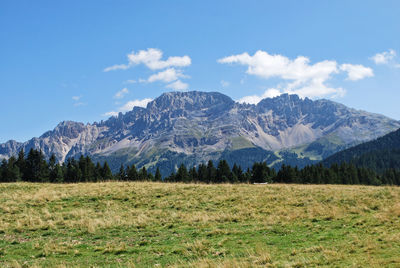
(254, 99)
(152, 58)
(129, 106)
(166, 76)
(117, 67)
(301, 77)
(120, 94)
(316, 89)
(178, 85)
(112, 113)
(384, 57)
(225, 83)
(356, 71)
(76, 98)
(265, 65)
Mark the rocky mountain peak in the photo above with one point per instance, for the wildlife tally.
(69, 129)
(192, 100)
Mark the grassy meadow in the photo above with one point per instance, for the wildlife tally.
(143, 224)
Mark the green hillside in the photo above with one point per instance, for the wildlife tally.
(379, 155)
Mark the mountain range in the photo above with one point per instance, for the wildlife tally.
(194, 127)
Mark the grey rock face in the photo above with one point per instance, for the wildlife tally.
(200, 123)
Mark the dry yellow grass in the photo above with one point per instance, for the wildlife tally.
(147, 224)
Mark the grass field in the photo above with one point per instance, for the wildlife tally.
(119, 224)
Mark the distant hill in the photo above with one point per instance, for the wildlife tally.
(378, 155)
(194, 127)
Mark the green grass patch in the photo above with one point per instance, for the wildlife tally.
(119, 224)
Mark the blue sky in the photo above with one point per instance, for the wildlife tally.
(67, 60)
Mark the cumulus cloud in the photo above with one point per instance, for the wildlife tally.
(384, 57)
(301, 77)
(152, 58)
(120, 94)
(129, 106)
(166, 76)
(171, 68)
(178, 85)
(117, 67)
(76, 98)
(265, 65)
(356, 71)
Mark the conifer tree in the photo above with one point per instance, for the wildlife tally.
(224, 173)
(121, 174)
(202, 173)
(132, 173)
(157, 176)
(106, 172)
(56, 175)
(3, 170)
(143, 174)
(182, 174)
(193, 174)
(98, 172)
(211, 172)
(12, 173)
(21, 162)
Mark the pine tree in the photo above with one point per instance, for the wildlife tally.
(157, 176)
(90, 169)
(132, 173)
(143, 174)
(52, 167)
(237, 173)
(57, 175)
(36, 166)
(211, 172)
(121, 174)
(83, 167)
(224, 173)
(106, 172)
(3, 170)
(182, 174)
(98, 172)
(261, 173)
(202, 173)
(21, 163)
(193, 174)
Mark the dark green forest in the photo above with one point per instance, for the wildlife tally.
(33, 167)
(379, 155)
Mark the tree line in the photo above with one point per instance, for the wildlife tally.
(33, 167)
